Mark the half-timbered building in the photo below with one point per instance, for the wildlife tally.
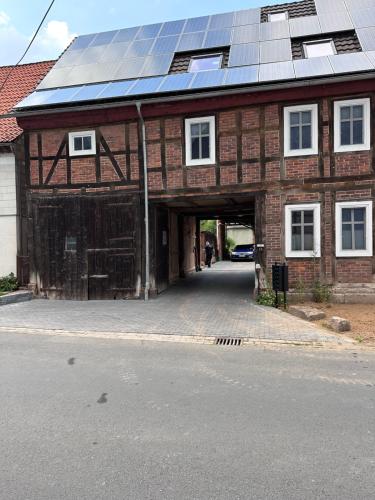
(264, 115)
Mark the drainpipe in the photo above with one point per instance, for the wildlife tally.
(147, 225)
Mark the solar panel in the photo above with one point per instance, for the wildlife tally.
(335, 21)
(196, 24)
(115, 52)
(116, 89)
(146, 86)
(165, 45)
(363, 18)
(55, 78)
(70, 58)
(139, 48)
(371, 56)
(103, 38)
(191, 41)
(172, 28)
(217, 38)
(275, 51)
(276, 71)
(36, 98)
(205, 79)
(126, 35)
(367, 38)
(244, 54)
(130, 68)
(149, 31)
(220, 21)
(348, 63)
(90, 73)
(329, 6)
(82, 42)
(316, 66)
(245, 34)
(249, 16)
(92, 55)
(62, 95)
(304, 26)
(238, 76)
(179, 81)
(274, 30)
(353, 5)
(157, 65)
(88, 92)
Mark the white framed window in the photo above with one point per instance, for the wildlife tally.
(205, 63)
(301, 130)
(319, 48)
(200, 141)
(82, 143)
(302, 230)
(277, 16)
(354, 229)
(352, 125)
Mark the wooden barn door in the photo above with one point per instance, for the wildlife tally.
(112, 236)
(162, 249)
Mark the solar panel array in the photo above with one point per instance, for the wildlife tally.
(136, 61)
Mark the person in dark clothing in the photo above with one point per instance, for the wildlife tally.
(209, 252)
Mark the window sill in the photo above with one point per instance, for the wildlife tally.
(200, 163)
(353, 254)
(351, 149)
(301, 153)
(302, 255)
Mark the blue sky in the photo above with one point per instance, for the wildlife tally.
(19, 18)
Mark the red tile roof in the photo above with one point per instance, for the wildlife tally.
(22, 81)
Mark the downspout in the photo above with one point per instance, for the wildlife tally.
(147, 224)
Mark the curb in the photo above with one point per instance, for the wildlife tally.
(176, 338)
(15, 297)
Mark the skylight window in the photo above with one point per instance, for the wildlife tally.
(205, 63)
(277, 16)
(319, 48)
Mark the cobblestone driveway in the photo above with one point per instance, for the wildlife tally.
(215, 302)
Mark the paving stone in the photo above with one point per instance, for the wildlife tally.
(307, 313)
(216, 302)
(339, 324)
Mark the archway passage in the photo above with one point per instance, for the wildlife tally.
(180, 246)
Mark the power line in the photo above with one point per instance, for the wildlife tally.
(28, 47)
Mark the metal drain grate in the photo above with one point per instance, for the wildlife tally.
(228, 342)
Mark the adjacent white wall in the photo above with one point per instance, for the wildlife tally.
(8, 215)
(241, 235)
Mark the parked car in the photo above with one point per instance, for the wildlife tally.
(243, 252)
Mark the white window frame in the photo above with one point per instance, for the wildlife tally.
(205, 56)
(204, 161)
(269, 17)
(314, 130)
(316, 252)
(368, 252)
(366, 121)
(83, 152)
(317, 42)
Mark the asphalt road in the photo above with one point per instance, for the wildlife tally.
(90, 419)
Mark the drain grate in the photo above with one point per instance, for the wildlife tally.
(228, 341)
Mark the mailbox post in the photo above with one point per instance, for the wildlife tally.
(280, 281)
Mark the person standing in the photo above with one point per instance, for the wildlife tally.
(209, 253)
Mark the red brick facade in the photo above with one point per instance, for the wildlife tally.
(249, 159)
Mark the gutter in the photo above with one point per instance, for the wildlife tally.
(147, 224)
(195, 95)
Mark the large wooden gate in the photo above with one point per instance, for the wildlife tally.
(86, 247)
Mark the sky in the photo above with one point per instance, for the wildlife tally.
(69, 18)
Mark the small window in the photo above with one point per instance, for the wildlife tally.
(205, 63)
(354, 229)
(301, 130)
(200, 141)
(352, 125)
(277, 16)
(302, 230)
(70, 243)
(82, 143)
(319, 48)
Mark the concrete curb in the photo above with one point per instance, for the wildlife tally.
(15, 297)
(181, 339)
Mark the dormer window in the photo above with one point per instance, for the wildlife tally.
(277, 16)
(319, 48)
(205, 63)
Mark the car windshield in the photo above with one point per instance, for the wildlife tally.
(243, 248)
